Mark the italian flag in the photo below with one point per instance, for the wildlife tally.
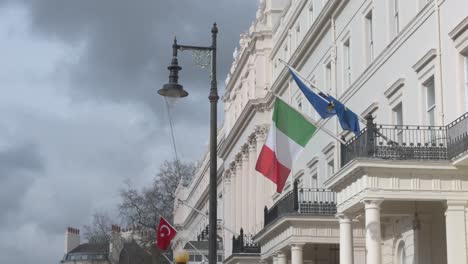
(288, 135)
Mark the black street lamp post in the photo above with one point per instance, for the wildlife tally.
(174, 89)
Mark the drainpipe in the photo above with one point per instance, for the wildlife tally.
(439, 64)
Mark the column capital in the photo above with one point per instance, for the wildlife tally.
(297, 246)
(343, 218)
(456, 205)
(373, 203)
(280, 254)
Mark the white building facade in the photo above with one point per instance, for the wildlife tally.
(397, 192)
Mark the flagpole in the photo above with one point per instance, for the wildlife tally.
(190, 243)
(196, 249)
(167, 258)
(363, 120)
(204, 215)
(310, 120)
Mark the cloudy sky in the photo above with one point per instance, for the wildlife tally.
(79, 112)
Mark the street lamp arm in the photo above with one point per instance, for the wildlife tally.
(187, 47)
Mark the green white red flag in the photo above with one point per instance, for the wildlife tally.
(288, 135)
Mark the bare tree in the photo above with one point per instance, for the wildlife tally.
(99, 230)
(145, 207)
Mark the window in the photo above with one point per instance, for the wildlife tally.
(398, 114)
(465, 64)
(314, 182)
(369, 38)
(298, 100)
(396, 17)
(430, 101)
(398, 120)
(298, 35)
(401, 253)
(198, 258)
(311, 13)
(330, 168)
(347, 61)
(328, 77)
(220, 258)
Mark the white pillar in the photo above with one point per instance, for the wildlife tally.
(346, 239)
(456, 232)
(373, 231)
(296, 253)
(252, 186)
(233, 196)
(239, 193)
(263, 195)
(281, 258)
(245, 187)
(275, 259)
(227, 218)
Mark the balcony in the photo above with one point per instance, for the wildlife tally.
(405, 142)
(302, 201)
(244, 244)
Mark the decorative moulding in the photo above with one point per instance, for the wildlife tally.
(394, 88)
(426, 59)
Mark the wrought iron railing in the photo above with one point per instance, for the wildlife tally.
(244, 244)
(397, 142)
(316, 201)
(457, 134)
(302, 201)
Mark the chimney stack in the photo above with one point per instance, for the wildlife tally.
(72, 239)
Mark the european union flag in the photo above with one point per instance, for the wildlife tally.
(321, 104)
(348, 119)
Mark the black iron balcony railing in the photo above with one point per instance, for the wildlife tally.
(244, 244)
(457, 132)
(403, 142)
(319, 202)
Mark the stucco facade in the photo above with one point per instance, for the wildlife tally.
(400, 186)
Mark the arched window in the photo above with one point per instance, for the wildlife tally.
(401, 253)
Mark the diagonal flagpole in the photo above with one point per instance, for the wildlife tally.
(363, 120)
(204, 215)
(314, 86)
(310, 120)
(167, 258)
(190, 243)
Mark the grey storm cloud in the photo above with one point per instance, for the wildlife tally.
(128, 44)
(20, 165)
(79, 112)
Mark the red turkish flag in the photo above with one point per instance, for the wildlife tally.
(165, 234)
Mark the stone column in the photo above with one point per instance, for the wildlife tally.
(245, 187)
(262, 195)
(281, 258)
(253, 208)
(373, 231)
(275, 259)
(239, 192)
(346, 239)
(233, 196)
(227, 218)
(456, 232)
(296, 253)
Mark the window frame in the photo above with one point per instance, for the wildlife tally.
(369, 29)
(396, 17)
(347, 59)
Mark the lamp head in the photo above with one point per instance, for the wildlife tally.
(172, 90)
(181, 256)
